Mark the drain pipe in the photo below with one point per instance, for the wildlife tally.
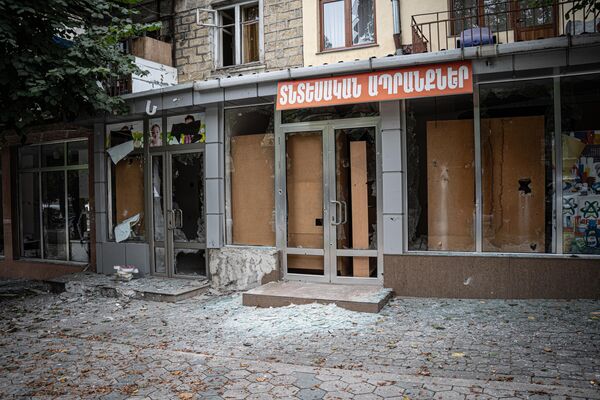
(397, 23)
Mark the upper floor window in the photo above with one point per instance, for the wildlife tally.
(347, 23)
(238, 35)
(467, 14)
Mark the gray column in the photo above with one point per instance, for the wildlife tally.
(215, 177)
(393, 176)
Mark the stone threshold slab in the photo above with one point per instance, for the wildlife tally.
(361, 298)
(151, 288)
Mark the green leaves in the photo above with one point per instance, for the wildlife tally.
(42, 77)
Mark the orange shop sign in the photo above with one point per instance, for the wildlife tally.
(402, 83)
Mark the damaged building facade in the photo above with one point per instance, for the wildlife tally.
(437, 149)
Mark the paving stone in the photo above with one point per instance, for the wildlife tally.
(310, 394)
(284, 391)
(304, 380)
(200, 348)
(326, 377)
(448, 395)
(333, 386)
(259, 387)
(389, 391)
(235, 394)
(360, 388)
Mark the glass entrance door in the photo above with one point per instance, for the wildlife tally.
(179, 227)
(330, 204)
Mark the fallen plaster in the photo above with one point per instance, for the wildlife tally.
(241, 268)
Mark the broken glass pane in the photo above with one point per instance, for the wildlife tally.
(157, 198)
(517, 131)
(159, 260)
(441, 174)
(363, 23)
(250, 34)
(188, 197)
(186, 129)
(190, 262)
(356, 188)
(250, 205)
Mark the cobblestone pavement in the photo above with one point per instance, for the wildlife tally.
(78, 346)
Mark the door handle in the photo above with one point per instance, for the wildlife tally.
(178, 211)
(334, 216)
(170, 220)
(344, 207)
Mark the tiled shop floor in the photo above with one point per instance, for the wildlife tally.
(211, 346)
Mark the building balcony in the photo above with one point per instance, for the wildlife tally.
(489, 23)
(154, 57)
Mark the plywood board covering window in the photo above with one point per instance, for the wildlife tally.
(129, 191)
(513, 184)
(252, 195)
(305, 190)
(451, 185)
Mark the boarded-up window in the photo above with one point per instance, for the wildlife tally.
(251, 176)
(517, 131)
(441, 174)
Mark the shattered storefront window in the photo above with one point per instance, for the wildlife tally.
(517, 130)
(250, 167)
(581, 164)
(126, 166)
(441, 174)
(186, 129)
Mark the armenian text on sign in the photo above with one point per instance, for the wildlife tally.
(418, 81)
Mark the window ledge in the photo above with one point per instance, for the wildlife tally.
(362, 46)
(51, 262)
(255, 66)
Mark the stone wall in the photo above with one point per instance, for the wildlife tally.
(194, 44)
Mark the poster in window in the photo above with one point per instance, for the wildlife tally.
(186, 129)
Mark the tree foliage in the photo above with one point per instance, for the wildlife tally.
(56, 54)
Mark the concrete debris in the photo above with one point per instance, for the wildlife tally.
(241, 268)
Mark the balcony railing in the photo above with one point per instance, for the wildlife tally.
(152, 56)
(494, 23)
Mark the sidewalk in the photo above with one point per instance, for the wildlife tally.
(211, 346)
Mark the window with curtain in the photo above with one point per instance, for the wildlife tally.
(347, 23)
(237, 36)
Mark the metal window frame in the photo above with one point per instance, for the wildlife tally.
(218, 33)
(557, 239)
(330, 252)
(227, 172)
(166, 151)
(39, 170)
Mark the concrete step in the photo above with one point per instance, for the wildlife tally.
(362, 298)
(151, 288)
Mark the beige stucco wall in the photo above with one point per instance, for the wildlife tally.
(311, 28)
(408, 8)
